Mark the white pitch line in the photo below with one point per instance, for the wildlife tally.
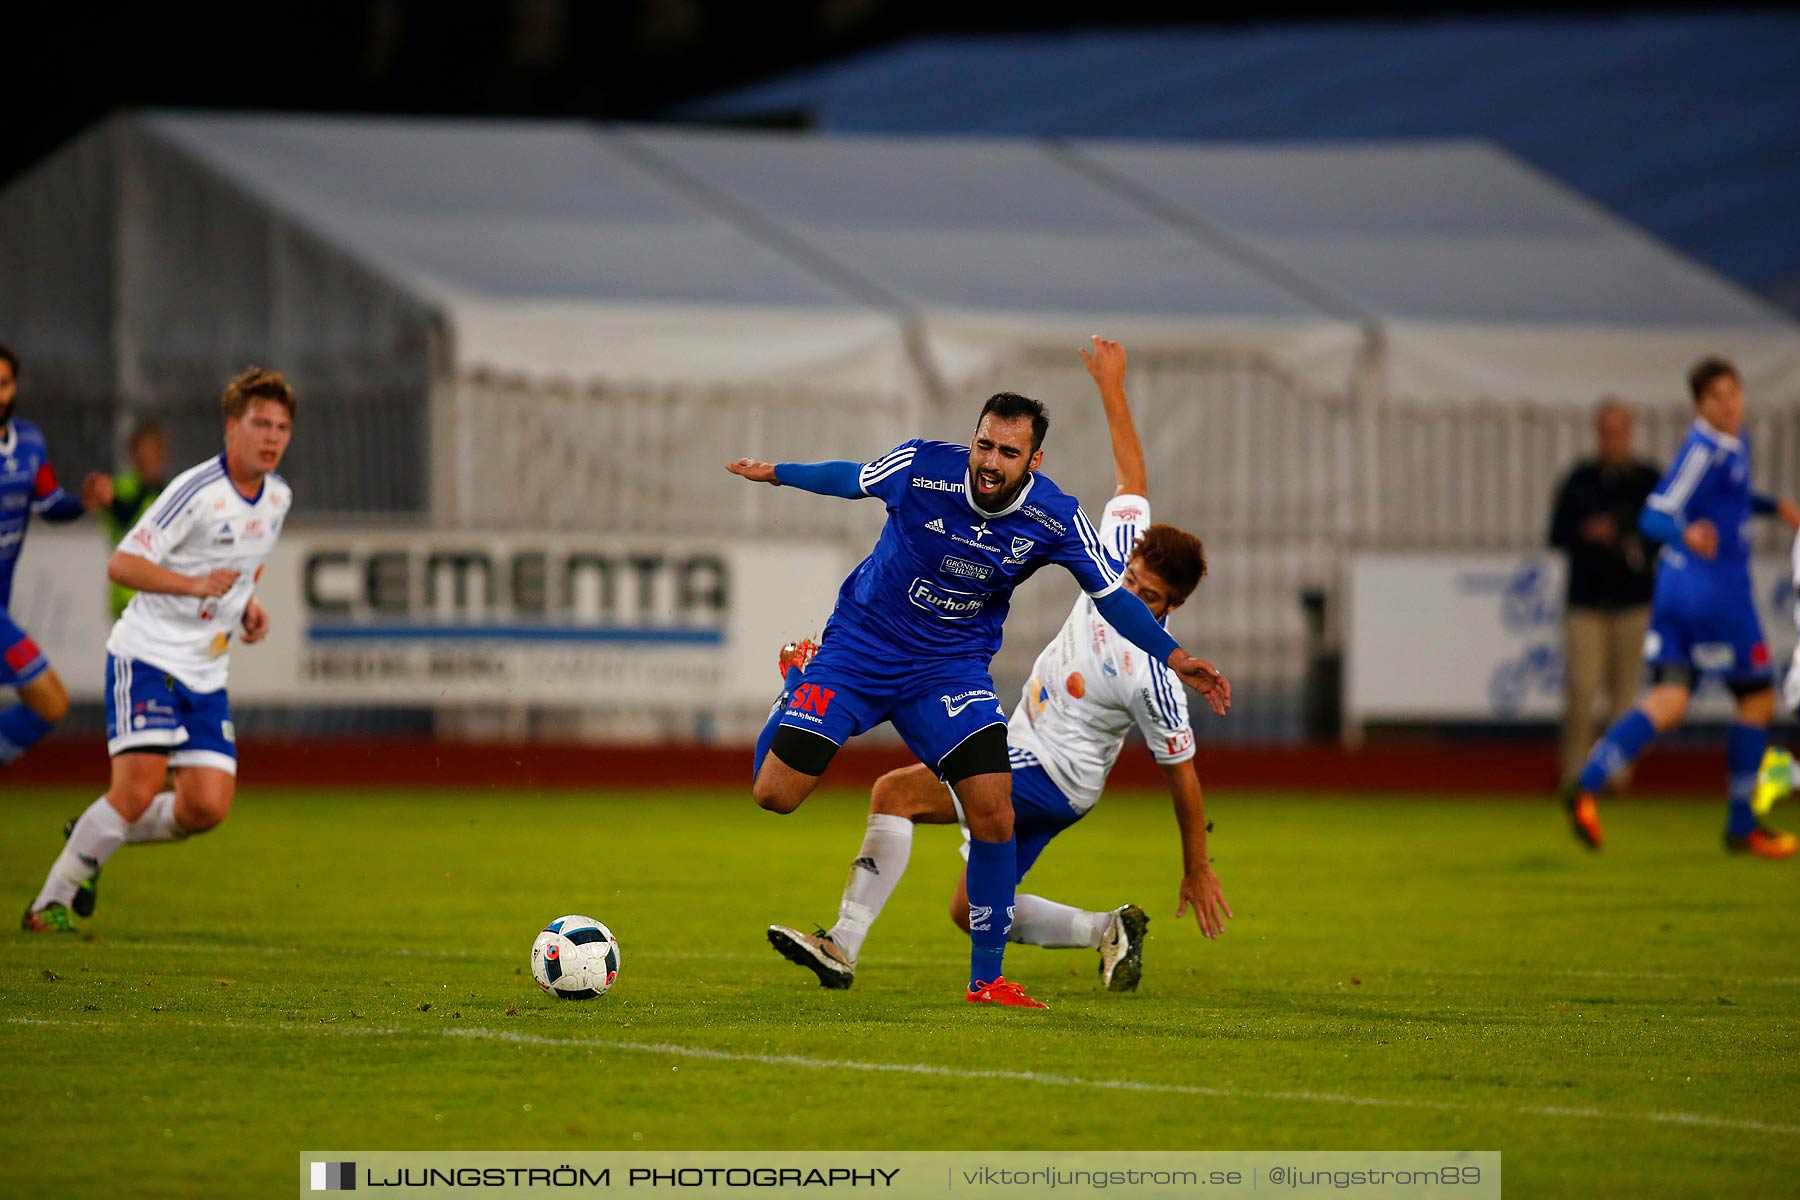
(802, 1062)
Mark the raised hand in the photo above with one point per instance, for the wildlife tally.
(1106, 363)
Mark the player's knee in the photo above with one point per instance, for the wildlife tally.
(202, 811)
(772, 797)
(891, 797)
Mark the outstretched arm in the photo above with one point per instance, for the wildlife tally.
(1107, 366)
(50, 502)
(839, 478)
(1199, 886)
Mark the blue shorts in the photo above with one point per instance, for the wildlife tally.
(849, 690)
(1040, 811)
(20, 659)
(1707, 626)
(149, 709)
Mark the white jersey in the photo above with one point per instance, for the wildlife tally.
(200, 524)
(1790, 692)
(1089, 686)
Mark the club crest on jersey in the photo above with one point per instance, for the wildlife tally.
(1020, 546)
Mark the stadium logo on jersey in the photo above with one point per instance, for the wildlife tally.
(948, 603)
(811, 698)
(937, 485)
(936, 525)
(953, 705)
(1045, 519)
(965, 569)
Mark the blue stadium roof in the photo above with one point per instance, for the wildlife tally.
(1687, 124)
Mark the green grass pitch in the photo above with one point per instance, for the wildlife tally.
(333, 970)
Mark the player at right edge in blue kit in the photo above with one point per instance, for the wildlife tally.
(1703, 614)
(918, 621)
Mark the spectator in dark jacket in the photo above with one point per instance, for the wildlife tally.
(1607, 610)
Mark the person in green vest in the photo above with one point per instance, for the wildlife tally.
(134, 491)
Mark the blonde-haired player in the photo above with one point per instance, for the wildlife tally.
(194, 559)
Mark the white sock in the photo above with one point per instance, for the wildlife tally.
(873, 876)
(1041, 922)
(99, 831)
(158, 823)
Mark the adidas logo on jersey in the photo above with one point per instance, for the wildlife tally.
(936, 525)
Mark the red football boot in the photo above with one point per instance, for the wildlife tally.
(1002, 992)
(795, 654)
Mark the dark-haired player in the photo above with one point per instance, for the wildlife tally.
(1703, 614)
(918, 621)
(28, 488)
(1088, 689)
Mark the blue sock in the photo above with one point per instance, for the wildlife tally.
(1744, 748)
(993, 877)
(1614, 752)
(20, 728)
(766, 738)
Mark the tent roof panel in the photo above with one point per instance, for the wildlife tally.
(994, 223)
(1457, 231)
(499, 210)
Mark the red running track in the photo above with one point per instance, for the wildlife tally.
(363, 763)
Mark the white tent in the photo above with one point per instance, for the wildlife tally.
(548, 325)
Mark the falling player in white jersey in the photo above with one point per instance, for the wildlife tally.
(194, 559)
(1087, 690)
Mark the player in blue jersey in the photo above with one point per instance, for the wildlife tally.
(918, 621)
(28, 488)
(1703, 614)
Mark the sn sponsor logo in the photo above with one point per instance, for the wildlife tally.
(811, 698)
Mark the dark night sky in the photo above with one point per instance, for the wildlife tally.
(73, 64)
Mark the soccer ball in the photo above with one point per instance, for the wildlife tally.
(575, 958)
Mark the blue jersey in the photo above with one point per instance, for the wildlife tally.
(940, 579)
(27, 486)
(1710, 481)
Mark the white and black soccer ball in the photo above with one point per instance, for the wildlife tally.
(575, 958)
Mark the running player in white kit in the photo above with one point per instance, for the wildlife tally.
(1087, 690)
(194, 559)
